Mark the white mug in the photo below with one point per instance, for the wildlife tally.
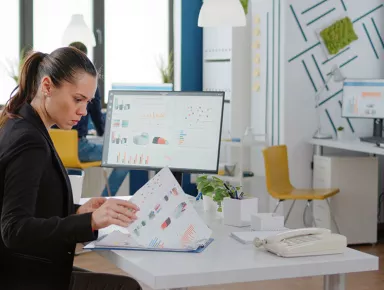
(77, 187)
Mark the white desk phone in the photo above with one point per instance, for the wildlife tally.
(304, 242)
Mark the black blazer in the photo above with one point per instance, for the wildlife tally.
(39, 227)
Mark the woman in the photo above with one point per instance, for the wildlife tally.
(40, 225)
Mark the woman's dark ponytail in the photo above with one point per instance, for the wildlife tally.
(27, 87)
(62, 65)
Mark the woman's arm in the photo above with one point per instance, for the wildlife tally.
(19, 228)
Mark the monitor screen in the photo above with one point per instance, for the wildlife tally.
(154, 129)
(363, 98)
(142, 87)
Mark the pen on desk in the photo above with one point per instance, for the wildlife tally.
(229, 191)
(235, 193)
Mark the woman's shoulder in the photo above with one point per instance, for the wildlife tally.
(19, 131)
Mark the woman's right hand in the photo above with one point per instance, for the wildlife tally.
(114, 212)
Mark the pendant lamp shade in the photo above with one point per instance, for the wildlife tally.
(219, 13)
(77, 30)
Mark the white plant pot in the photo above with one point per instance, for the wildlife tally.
(209, 204)
(340, 135)
(238, 212)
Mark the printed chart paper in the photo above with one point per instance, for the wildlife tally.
(166, 218)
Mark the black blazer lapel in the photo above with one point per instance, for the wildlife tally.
(29, 114)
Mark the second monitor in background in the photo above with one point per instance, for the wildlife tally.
(151, 130)
(364, 98)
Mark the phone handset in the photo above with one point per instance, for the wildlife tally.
(290, 234)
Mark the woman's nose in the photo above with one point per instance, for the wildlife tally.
(82, 111)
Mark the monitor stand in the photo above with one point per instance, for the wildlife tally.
(377, 132)
(179, 177)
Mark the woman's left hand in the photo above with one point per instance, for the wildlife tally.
(91, 205)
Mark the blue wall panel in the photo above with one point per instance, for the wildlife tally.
(191, 60)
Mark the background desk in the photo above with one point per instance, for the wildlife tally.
(228, 261)
(354, 145)
(355, 207)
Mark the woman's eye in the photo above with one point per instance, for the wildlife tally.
(78, 100)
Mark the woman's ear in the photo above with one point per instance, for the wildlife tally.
(46, 86)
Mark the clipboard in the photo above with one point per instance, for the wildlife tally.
(200, 248)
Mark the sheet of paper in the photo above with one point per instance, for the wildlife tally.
(166, 218)
(85, 199)
(116, 239)
(111, 228)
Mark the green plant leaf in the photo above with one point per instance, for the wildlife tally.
(201, 178)
(244, 3)
(207, 189)
(209, 194)
(203, 184)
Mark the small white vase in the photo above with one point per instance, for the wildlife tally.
(208, 203)
(340, 135)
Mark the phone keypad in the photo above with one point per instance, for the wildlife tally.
(300, 240)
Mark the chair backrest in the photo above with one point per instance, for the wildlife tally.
(66, 144)
(277, 170)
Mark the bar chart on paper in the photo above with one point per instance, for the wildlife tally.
(188, 236)
(156, 243)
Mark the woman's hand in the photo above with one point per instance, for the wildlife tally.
(114, 211)
(91, 205)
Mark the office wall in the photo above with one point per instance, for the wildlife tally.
(290, 66)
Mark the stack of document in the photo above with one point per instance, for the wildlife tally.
(166, 221)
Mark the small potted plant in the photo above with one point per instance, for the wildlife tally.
(340, 133)
(213, 190)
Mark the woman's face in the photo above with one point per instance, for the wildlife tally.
(66, 104)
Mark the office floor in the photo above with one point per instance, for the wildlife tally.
(355, 281)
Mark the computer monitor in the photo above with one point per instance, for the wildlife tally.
(364, 98)
(142, 87)
(151, 130)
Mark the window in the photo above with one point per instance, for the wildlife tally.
(136, 39)
(9, 49)
(50, 19)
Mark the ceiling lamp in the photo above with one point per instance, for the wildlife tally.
(77, 30)
(219, 13)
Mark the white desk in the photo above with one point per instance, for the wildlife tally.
(354, 145)
(228, 261)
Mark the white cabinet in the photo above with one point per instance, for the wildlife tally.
(355, 206)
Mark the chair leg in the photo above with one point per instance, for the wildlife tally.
(309, 202)
(313, 219)
(277, 205)
(332, 216)
(289, 211)
(106, 181)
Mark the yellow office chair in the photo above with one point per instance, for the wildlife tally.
(279, 185)
(66, 144)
